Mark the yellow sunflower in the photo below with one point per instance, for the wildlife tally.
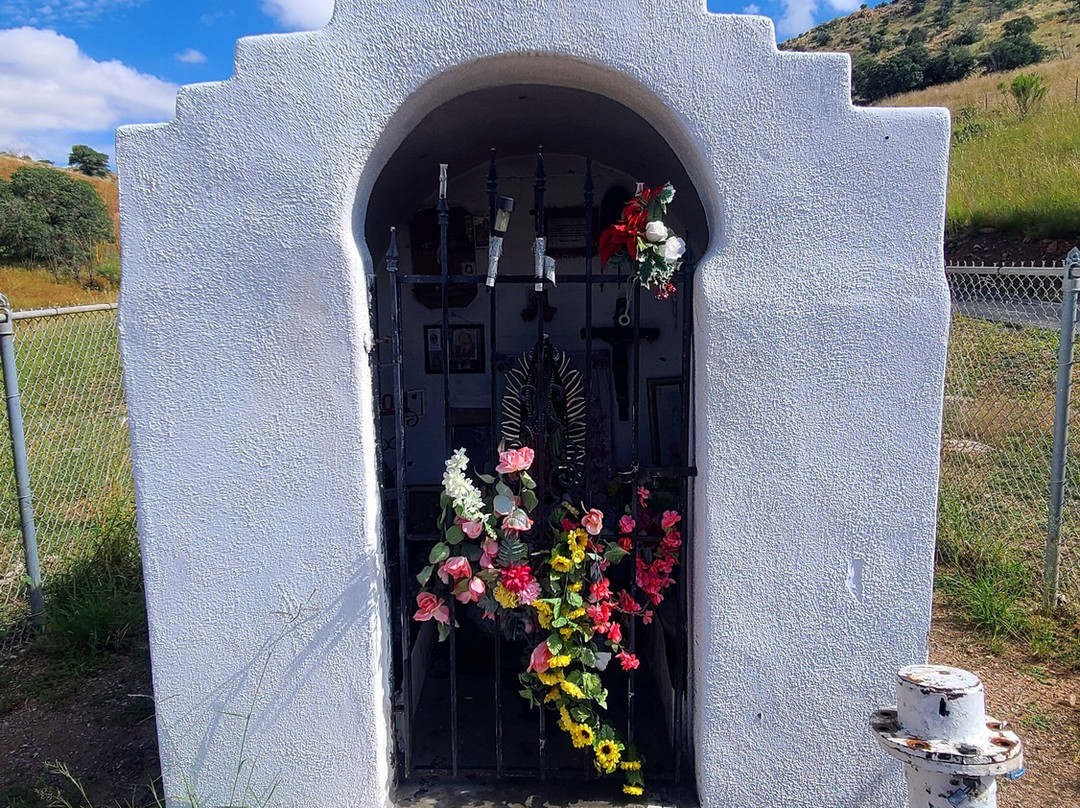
(577, 556)
(577, 539)
(559, 661)
(630, 765)
(607, 755)
(575, 586)
(550, 677)
(553, 695)
(572, 690)
(560, 564)
(506, 598)
(544, 613)
(574, 615)
(565, 632)
(581, 735)
(633, 791)
(565, 722)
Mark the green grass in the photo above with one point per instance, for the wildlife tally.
(992, 513)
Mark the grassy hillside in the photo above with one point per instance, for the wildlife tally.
(33, 287)
(886, 28)
(1015, 176)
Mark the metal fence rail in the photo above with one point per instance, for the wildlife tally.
(998, 432)
(997, 440)
(77, 444)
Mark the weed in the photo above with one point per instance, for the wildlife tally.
(1037, 720)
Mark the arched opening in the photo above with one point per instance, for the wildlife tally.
(467, 353)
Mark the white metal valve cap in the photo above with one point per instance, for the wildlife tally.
(940, 724)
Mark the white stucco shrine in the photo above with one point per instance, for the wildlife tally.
(256, 316)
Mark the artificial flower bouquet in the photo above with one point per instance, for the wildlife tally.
(642, 241)
(560, 599)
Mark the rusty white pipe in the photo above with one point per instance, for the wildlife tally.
(953, 752)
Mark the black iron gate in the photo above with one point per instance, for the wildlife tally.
(456, 705)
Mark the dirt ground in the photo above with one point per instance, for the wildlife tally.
(100, 724)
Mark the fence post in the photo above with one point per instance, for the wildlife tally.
(18, 451)
(1052, 568)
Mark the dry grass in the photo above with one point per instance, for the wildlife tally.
(37, 289)
(1018, 175)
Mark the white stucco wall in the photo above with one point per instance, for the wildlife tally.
(822, 317)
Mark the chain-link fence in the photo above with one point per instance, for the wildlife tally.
(998, 433)
(996, 445)
(77, 442)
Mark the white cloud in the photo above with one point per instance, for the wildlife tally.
(798, 17)
(847, 6)
(191, 57)
(50, 91)
(300, 14)
(751, 9)
(28, 12)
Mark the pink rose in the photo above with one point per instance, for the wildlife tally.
(515, 460)
(540, 660)
(429, 607)
(471, 529)
(456, 567)
(627, 524)
(593, 522)
(671, 518)
(488, 550)
(469, 592)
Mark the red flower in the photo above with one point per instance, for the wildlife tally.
(600, 614)
(627, 604)
(600, 591)
(517, 577)
(629, 662)
(647, 617)
(627, 524)
(626, 543)
(615, 632)
(643, 495)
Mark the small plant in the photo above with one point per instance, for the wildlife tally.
(1024, 93)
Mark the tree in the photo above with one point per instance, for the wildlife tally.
(89, 162)
(47, 215)
(1021, 26)
(1025, 92)
(1012, 52)
(952, 64)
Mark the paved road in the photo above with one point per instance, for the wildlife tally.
(1022, 312)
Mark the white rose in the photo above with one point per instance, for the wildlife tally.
(656, 231)
(674, 248)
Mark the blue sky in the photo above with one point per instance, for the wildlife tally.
(71, 71)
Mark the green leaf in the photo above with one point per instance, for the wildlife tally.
(574, 599)
(502, 489)
(554, 643)
(455, 534)
(444, 631)
(425, 574)
(614, 553)
(470, 551)
(487, 478)
(518, 519)
(528, 499)
(530, 696)
(503, 504)
(528, 482)
(440, 552)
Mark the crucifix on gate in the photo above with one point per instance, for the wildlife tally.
(620, 337)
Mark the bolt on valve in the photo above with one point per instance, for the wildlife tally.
(953, 752)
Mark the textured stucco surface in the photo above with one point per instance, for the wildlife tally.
(822, 315)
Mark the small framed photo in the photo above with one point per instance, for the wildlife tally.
(468, 267)
(466, 349)
(666, 421)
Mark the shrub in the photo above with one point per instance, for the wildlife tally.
(1024, 93)
(968, 35)
(1013, 52)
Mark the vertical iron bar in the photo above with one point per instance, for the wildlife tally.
(22, 467)
(635, 451)
(541, 394)
(681, 663)
(589, 197)
(493, 193)
(399, 475)
(1052, 569)
(444, 221)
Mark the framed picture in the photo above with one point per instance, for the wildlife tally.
(666, 421)
(466, 349)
